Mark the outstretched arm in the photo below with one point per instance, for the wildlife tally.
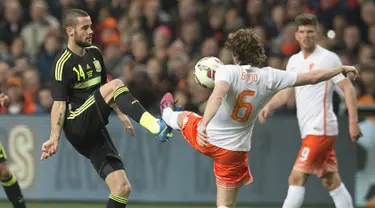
(284, 80)
(220, 91)
(316, 76)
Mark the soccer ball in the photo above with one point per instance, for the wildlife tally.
(204, 71)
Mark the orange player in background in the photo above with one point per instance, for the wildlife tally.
(316, 119)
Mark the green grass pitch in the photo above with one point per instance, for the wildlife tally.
(5, 204)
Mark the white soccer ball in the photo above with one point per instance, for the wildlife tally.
(204, 71)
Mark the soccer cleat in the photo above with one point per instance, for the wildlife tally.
(167, 102)
(165, 132)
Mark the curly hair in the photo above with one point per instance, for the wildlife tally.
(246, 47)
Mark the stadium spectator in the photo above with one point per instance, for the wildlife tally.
(366, 53)
(17, 104)
(367, 75)
(45, 100)
(113, 59)
(165, 40)
(367, 17)
(158, 75)
(12, 23)
(161, 39)
(50, 48)
(371, 35)
(30, 85)
(4, 72)
(351, 40)
(339, 23)
(130, 22)
(35, 31)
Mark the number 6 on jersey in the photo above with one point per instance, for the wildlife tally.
(242, 104)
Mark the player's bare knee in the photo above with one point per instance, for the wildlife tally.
(122, 188)
(331, 181)
(5, 173)
(328, 183)
(297, 179)
(116, 83)
(294, 180)
(107, 91)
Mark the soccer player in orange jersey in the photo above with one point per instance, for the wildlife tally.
(224, 132)
(317, 121)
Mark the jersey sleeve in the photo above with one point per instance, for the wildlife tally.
(335, 61)
(279, 79)
(223, 73)
(61, 77)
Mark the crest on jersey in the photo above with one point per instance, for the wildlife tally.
(98, 66)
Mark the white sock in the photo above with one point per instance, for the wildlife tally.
(341, 197)
(170, 117)
(295, 196)
(222, 207)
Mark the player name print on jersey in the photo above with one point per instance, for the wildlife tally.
(250, 77)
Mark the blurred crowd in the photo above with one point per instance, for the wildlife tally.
(153, 45)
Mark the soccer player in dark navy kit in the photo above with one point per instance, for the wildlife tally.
(83, 100)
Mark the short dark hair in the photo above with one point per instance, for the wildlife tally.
(306, 19)
(70, 17)
(246, 46)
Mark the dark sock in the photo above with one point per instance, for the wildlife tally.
(128, 105)
(116, 201)
(13, 192)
